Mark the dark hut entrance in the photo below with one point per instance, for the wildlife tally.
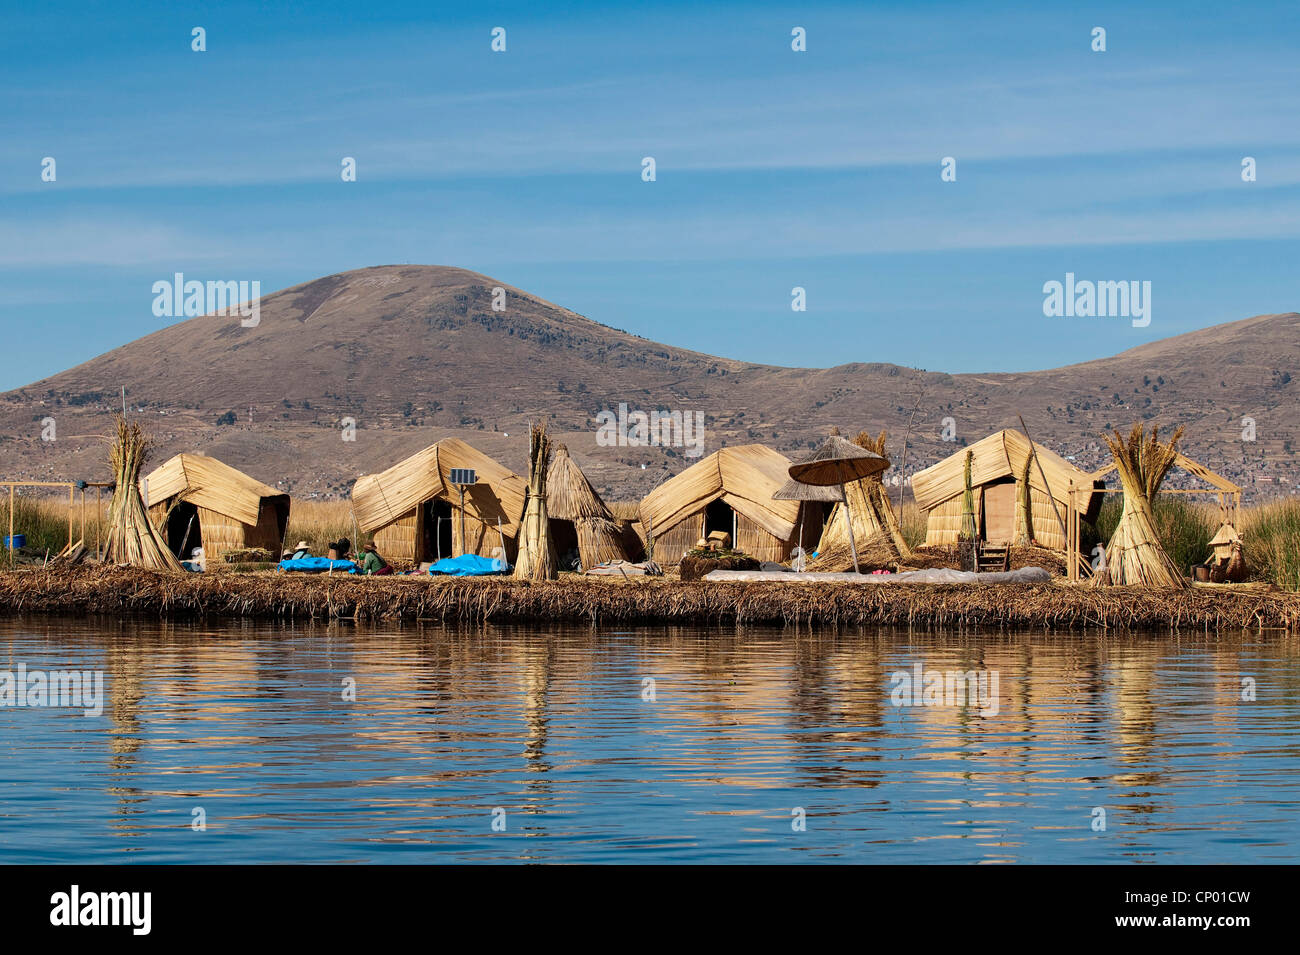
(719, 516)
(564, 534)
(183, 517)
(437, 531)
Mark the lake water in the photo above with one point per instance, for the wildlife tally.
(749, 746)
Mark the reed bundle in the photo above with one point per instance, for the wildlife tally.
(536, 559)
(1135, 555)
(132, 537)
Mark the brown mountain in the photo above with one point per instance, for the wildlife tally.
(416, 353)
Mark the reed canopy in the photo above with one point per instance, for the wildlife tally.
(1135, 554)
(1019, 493)
(536, 549)
(730, 490)
(198, 501)
(413, 509)
(579, 518)
(132, 537)
(865, 521)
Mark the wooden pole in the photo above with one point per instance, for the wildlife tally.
(1033, 451)
(848, 516)
(71, 502)
(11, 526)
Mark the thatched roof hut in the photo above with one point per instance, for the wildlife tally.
(413, 509)
(198, 501)
(579, 518)
(730, 490)
(1012, 502)
(627, 515)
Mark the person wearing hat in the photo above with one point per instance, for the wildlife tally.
(372, 563)
(300, 550)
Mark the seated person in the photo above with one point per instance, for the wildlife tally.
(301, 549)
(340, 549)
(372, 562)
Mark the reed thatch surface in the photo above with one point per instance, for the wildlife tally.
(877, 534)
(1002, 455)
(745, 477)
(643, 600)
(570, 497)
(384, 498)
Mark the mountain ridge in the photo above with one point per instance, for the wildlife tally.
(416, 353)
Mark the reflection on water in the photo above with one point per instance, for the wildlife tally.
(558, 728)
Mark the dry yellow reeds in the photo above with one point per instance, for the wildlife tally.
(876, 529)
(643, 600)
(132, 538)
(570, 497)
(1135, 554)
(536, 559)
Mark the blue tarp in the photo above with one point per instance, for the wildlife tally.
(318, 565)
(469, 565)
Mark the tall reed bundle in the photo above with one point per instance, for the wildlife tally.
(1135, 554)
(536, 559)
(132, 538)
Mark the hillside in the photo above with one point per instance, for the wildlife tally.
(416, 353)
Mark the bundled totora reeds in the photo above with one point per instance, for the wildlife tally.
(1135, 554)
(536, 559)
(132, 538)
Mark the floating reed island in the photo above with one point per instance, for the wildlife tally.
(1003, 505)
(1054, 606)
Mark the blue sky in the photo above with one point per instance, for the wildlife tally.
(775, 169)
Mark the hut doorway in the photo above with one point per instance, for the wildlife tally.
(183, 530)
(437, 530)
(998, 524)
(719, 516)
(564, 534)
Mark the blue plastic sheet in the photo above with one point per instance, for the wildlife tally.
(318, 565)
(469, 565)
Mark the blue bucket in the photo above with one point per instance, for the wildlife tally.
(18, 540)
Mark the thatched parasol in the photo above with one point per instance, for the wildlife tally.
(836, 463)
(536, 559)
(132, 538)
(1134, 554)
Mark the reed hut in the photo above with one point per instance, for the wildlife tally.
(877, 532)
(413, 509)
(198, 501)
(579, 518)
(1019, 493)
(731, 491)
(627, 515)
(1135, 554)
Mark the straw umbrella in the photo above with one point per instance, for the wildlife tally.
(836, 463)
